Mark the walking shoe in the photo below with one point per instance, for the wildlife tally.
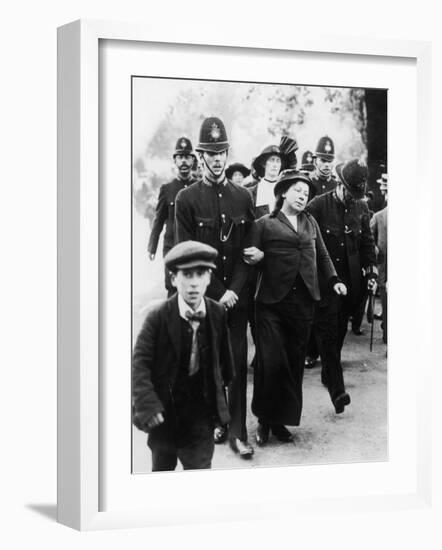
(262, 434)
(341, 402)
(282, 434)
(310, 362)
(243, 448)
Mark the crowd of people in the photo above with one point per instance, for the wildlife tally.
(293, 252)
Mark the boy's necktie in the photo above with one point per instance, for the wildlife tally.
(194, 319)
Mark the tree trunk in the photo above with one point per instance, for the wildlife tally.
(376, 105)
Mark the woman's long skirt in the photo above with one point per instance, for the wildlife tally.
(282, 334)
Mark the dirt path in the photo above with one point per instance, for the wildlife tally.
(357, 435)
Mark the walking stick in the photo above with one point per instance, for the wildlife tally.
(372, 304)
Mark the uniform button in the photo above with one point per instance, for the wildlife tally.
(200, 224)
(327, 230)
(220, 195)
(224, 257)
(337, 259)
(225, 278)
(171, 204)
(242, 221)
(342, 244)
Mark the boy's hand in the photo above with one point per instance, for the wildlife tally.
(155, 420)
(229, 298)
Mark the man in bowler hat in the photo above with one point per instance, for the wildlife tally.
(184, 159)
(182, 362)
(343, 218)
(217, 212)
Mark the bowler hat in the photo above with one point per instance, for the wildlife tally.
(213, 136)
(190, 254)
(288, 177)
(237, 167)
(354, 175)
(325, 149)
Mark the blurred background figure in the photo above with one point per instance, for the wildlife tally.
(378, 224)
(237, 173)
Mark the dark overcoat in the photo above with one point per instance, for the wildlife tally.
(348, 238)
(156, 356)
(287, 253)
(165, 215)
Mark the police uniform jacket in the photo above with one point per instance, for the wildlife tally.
(289, 253)
(156, 358)
(348, 238)
(323, 186)
(220, 216)
(165, 214)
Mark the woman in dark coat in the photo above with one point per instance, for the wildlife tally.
(286, 291)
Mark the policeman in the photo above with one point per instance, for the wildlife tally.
(343, 218)
(184, 159)
(307, 162)
(323, 181)
(322, 177)
(217, 212)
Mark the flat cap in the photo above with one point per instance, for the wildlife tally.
(190, 254)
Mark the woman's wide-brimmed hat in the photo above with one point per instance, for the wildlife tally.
(286, 151)
(288, 177)
(354, 175)
(237, 167)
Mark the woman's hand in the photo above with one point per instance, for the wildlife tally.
(252, 255)
(340, 289)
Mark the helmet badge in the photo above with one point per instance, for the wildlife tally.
(215, 132)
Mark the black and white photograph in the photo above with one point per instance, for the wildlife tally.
(259, 274)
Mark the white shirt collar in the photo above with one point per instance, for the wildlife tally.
(183, 307)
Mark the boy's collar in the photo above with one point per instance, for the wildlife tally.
(183, 307)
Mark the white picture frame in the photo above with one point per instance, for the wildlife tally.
(79, 271)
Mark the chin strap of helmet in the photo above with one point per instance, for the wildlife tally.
(216, 178)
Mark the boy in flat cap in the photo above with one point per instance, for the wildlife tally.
(184, 159)
(181, 364)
